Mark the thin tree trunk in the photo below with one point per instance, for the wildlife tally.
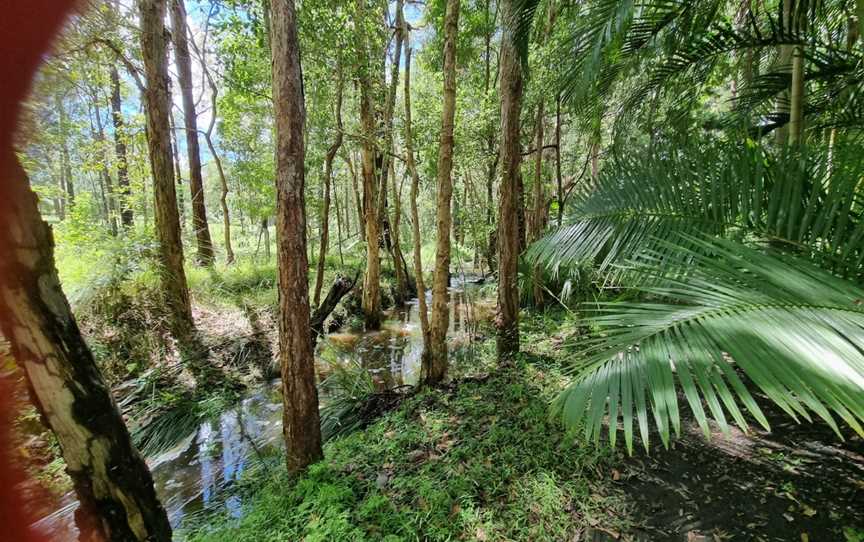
(190, 121)
(538, 203)
(399, 267)
(355, 188)
(124, 191)
(106, 177)
(65, 161)
(796, 94)
(388, 113)
(507, 316)
(208, 137)
(158, 103)
(265, 229)
(301, 425)
(437, 369)
(336, 199)
(784, 61)
(111, 480)
(558, 178)
(178, 173)
(328, 173)
(415, 218)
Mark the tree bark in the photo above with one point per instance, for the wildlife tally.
(415, 218)
(158, 103)
(538, 204)
(507, 314)
(400, 267)
(328, 174)
(123, 189)
(190, 122)
(301, 425)
(371, 300)
(437, 369)
(558, 178)
(111, 480)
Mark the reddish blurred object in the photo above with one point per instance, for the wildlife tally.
(27, 29)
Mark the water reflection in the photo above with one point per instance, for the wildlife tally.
(194, 475)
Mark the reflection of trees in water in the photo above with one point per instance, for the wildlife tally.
(392, 355)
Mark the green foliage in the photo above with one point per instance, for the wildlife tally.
(711, 307)
(483, 460)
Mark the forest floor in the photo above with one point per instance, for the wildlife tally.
(481, 460)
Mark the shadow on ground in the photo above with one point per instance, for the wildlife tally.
(799, 482)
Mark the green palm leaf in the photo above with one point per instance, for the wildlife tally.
(806, 201)
(794, 330)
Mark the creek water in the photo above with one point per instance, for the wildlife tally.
(196, 473)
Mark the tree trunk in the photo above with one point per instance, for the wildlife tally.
(355, 188)
(106, 177)
(208, 137)
(491, 136)
(388, 114)
(336, 199)
(65, 161)
(437, 369)
(158, 104)
(784, 61)
(399, 267)
(538, 204)
(796, 110)
(371, 300)
(328, 173)
(507, 316)
(415, 218)
(178, 173)
(190, 121)
(111, 480)
(558, 178)
(265, 229)
(796, 93)
(124, 192)
(301, 425)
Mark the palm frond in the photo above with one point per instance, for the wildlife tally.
(806, 200)
(795, 330)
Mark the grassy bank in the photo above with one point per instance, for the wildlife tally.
(478, 460)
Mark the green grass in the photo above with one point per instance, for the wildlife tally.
(480, 460)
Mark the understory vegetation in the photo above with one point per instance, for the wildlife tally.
(489, 270)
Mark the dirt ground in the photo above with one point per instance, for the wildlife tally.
(797, 483)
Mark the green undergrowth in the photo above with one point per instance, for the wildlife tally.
(477, 460)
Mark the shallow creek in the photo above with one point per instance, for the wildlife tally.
(195, 474)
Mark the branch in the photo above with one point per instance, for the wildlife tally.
(130, 67)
